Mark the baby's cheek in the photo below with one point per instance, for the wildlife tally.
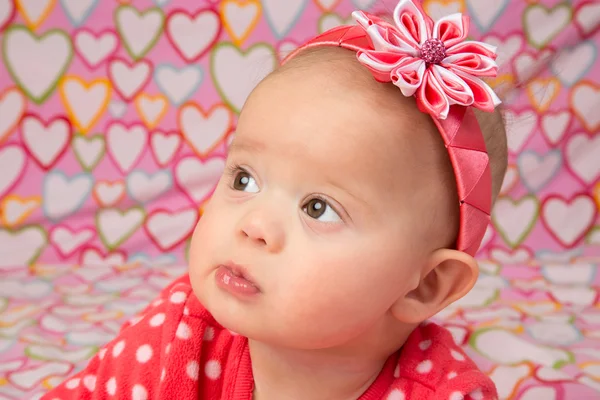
(202, 246)
(374, 271)
(198, 241)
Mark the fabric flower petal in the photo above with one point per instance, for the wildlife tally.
(471, 63)
(380, 63)
(471, 46)
(431, 97)
(457, 90)
(451, 29)
(384, 36)
(365, 20)
(412, 22)
(484, 97)
(386, 40)
(409, 75)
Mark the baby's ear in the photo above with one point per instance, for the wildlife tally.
(447, 276)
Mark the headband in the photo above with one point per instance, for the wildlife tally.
(433, 62)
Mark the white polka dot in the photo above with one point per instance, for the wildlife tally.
(456, 396)
(89, 381)
(396, 394)
(457, 355)
(157, 302)
(397, 371)
(163, 373)
(139, 393)
(118, 349)
(424, 367)
(476, 394)
(111, 386)
(102, 353)
(186, 311)
(452, 375)
(167, 348)
(157, 320)
(209, 334)
(72, 383)
(143, 353)
(183, 331)
(178, 297)
(192, 370)
(425, 344)
(212, 369)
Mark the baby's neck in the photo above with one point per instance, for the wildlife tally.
(287, 374)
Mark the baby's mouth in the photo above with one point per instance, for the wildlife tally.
(236, 279)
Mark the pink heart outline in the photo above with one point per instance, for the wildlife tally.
(46, 123)
(96, 36)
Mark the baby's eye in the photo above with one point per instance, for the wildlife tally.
(319, 209)
(244, 182)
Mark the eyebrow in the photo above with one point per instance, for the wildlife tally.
(354, 196)
(256, 146)
(246, 145)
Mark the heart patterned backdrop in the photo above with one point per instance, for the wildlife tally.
(115, 117)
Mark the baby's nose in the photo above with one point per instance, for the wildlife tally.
(262, 230)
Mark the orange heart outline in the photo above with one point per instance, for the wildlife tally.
(4, 135)
(151, 124)
(206, 115)
(239, 40)
(105, 82)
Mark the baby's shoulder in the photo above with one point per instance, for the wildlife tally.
(432, 362)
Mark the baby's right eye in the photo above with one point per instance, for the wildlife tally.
(244, 182)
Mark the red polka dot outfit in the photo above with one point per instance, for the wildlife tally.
(176, 350)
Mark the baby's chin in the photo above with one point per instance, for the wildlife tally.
(260, 324)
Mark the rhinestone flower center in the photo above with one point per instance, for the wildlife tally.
(433, 51)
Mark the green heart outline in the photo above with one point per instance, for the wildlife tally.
(590, 234)
(3, 304)
(478, 332)
(243, 54)
(547, 10)
(530, 226)
(344, 21)
(38, 252)
(127, 235)
(89, 139)
(92, 350)
(52, 87)
(152, 42)
(186, 250)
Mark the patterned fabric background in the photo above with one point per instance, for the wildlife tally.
(115, 116)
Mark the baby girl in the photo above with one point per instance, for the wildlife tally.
(358, 188)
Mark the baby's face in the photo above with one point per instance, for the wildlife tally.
(325, 204)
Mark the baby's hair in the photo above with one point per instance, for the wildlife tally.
(493, 128)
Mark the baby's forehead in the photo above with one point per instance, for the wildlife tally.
(330, 99)
(331, 116)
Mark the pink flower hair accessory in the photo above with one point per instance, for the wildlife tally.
(434, 62)
(431, 60)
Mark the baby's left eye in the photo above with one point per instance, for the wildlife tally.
(321, 211)
(244, 182)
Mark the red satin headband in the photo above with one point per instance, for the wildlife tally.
(433, 62)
